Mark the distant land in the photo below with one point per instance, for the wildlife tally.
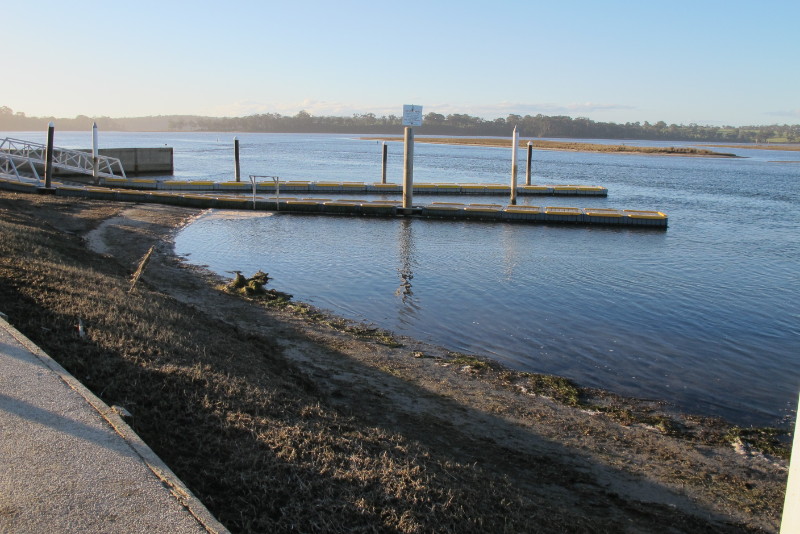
(568, 146)
(771, 146)
(529, 126)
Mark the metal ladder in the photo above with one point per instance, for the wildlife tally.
(19, 159)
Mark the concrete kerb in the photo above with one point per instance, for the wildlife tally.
(177, 488)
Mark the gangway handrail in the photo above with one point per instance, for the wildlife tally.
(275, 179)
(9, 168)
(63, 158)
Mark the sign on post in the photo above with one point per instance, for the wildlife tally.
(412, 115)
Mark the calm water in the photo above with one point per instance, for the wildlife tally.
(705, 314)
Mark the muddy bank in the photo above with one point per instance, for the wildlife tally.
(570, 146)
(282, 417)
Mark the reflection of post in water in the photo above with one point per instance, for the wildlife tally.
(510, 244)
(406, 242)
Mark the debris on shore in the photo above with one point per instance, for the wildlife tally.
(253, 287)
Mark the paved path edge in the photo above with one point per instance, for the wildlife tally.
(177, 488)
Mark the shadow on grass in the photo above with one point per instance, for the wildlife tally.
(268, 451)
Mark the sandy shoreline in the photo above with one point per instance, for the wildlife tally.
(568, 146)
(634, 462)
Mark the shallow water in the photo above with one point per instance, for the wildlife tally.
(705, 314)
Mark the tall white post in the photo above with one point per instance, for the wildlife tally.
(408, 168)
(515, 140)
(790, 522)
(528, 167)
(95, 153)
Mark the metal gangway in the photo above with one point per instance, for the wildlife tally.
(23, 159)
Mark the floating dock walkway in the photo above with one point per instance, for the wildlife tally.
(356, 187)
(377, 208)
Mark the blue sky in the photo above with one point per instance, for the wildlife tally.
(702, 61)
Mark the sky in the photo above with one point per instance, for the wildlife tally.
(707, 62)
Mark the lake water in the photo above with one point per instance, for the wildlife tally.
(705, 315)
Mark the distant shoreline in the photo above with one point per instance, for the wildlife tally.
(568, 146)
(793, 147)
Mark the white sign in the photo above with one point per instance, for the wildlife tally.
(412, 115)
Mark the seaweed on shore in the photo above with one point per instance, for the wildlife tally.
(253, 288)
(656, 415)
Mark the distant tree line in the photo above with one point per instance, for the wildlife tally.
(462, 124)
(11, 121)
(433, 124)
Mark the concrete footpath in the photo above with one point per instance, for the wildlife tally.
(69, 463)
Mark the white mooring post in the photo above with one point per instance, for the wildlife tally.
(237, 172)
(48, 157)
(790, 522)
(95, 152)
(528, 167)
(515, 146)
(408, 168)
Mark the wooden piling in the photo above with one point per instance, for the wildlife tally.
(385, 159)
(514, 147)
(408, 168)
(48, 158)
(95, 153)
(237, 170)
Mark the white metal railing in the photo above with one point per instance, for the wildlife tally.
(12, 166)
(276, 180)
(16, 154)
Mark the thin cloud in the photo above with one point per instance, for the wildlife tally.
(591, 107)
(334, 108)
(503, 109)
(239, 108)
(795, 113)
(311, 106)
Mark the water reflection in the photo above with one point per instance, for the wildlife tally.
(608, 307)
(511, 250)
(405, 270)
